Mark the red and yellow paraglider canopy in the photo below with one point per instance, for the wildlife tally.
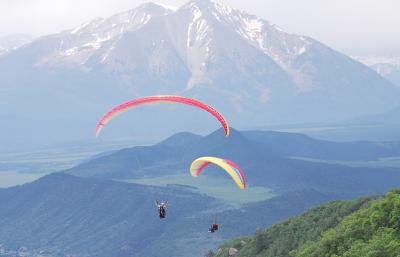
(230, 167)
(159, 99)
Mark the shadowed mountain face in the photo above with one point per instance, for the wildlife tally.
(264, 161)
(250, 70)
(99, 218)
(63, 215)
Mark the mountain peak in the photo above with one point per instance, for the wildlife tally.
(180, 140)
(208, 5)
(168, 7)
(219, 135)
(123, 21)
(200, 2)
(155, 7)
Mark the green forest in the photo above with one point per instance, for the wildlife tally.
(367, 227)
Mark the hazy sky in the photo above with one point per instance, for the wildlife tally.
(351, 26)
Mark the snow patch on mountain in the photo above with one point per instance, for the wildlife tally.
(252, 30)
(200, 27)
(77, 29)
(98, 37)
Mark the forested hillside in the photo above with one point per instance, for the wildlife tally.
(365, 227)
(369, 232)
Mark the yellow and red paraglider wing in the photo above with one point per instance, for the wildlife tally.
(230, 167)
(159, 99)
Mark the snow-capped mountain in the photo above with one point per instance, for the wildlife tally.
(248, 68)
(388, 67)
(13, 41)
(97, 37)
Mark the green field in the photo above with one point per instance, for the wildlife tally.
(219, 188)
(388, 162)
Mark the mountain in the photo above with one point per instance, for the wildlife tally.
(378, 127)
(382, 126)
(394, 76)
(300, 145)
(388, 67)
(173, 156)
(249, 69)
(389, 117)
(264, 164)
(62, 215)
(11, 42)
(366, 227)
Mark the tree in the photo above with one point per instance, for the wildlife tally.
(210, 253)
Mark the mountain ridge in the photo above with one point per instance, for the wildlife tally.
(264, 165)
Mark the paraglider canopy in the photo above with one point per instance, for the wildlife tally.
(160, 99)
(230, 167)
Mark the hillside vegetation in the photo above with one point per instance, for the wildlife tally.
(366, 227)
(369, 232)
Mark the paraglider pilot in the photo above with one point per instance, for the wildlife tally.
(162, 207)
(213, 228)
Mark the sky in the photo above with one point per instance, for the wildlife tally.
(356, 27)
